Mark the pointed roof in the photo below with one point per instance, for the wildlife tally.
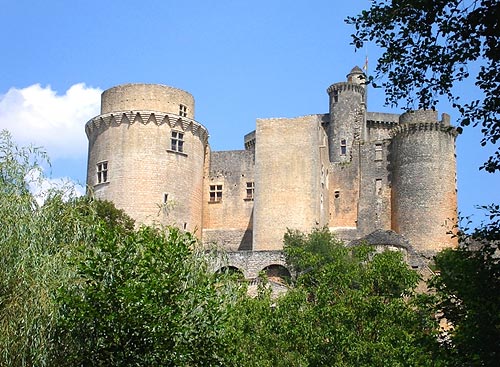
(356, 70)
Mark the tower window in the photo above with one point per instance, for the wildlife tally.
(336, 194)
(378, 152)
(102, 172)
(250, 190)
(177, 141)
(378, 186)
(343, 147)
(182, 110)
(215, 193)
(165, 198)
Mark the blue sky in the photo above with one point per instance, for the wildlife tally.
(241, 60)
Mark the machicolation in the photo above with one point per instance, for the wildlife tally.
(377, 177)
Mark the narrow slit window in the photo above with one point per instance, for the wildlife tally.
(343, 147)
(165, 198)
(378, 152)
(250, 190)
(215, 193)
(378, 186)
(177, 141)
(102, 172)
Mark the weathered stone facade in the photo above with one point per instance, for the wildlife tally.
(365, 175)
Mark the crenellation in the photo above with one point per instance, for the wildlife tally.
(385, 178)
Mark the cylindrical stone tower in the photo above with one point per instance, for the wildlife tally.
(147, 153)
(347, 109)
(423, 177)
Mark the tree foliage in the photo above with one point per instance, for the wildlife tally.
(348, 306)
(35, 241)
(429, 48)
(467, 289)
(142, 299)
(80, 286)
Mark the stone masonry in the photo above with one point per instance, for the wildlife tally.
(387, 179)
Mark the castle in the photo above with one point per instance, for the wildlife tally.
(385, 178)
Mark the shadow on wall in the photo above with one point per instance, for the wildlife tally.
(247, 239)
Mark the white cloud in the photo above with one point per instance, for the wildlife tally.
(37, 115)
(41, 186)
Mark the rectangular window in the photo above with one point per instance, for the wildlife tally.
(177, 141)
(215, 193)
(335, 96)
(378, 186)
(102, 172)
(378, 152)
(182, 110)
(343, 147)
(250, 190)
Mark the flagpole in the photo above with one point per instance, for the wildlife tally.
(365, 69)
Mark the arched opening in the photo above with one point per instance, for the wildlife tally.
(232, 271)
(277, 273)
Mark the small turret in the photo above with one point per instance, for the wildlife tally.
(347, 110)
(356, 76)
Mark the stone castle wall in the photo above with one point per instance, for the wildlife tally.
(229, 222)
(287, 173)
(356, 172)
(144, 176)
(423, 171)
(147, 97)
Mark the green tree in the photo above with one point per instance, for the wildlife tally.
(467, 289)
(429, 48)
(35, 241)
(348, 306)
(143, 298)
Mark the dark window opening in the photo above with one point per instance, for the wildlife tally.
(182, 110)
(336, 194)
(102, 172)
(177, 141)
(343, 147)
(250, 190)
(215, 193)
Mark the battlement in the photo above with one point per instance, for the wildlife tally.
(102, 122)
(382, 177)
(423, 120)
(345, 86)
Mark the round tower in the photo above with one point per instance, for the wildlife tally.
(347, 109)
(423, 177)
(146, 154)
